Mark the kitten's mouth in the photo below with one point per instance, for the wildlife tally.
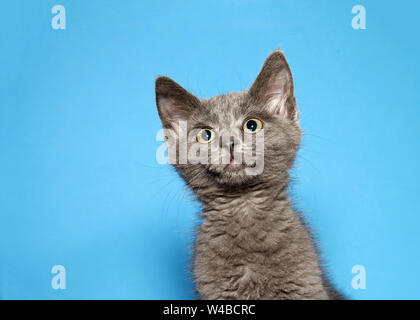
(232, 173)
(234, 166)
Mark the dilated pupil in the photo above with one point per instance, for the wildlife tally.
(251, 125)
(206, 135)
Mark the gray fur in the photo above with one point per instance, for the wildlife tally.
(252, 244)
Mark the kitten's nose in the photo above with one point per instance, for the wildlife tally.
(229, 144)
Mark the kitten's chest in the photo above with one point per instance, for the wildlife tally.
(252, 250)
(243, 264)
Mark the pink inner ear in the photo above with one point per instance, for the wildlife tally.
(277, 95)
(273, 87)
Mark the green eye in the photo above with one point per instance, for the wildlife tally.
(205, 136)
(252, 125)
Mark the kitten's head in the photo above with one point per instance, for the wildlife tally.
(233, 139)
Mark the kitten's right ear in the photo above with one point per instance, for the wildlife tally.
(273, 87)
(174, 103)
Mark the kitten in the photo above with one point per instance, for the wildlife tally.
(251, 244)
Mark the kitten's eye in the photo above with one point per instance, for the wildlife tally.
(252, 125)
(205, 136)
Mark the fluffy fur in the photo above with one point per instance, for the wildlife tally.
(251, 244)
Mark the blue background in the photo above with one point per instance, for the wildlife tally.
(80, 185)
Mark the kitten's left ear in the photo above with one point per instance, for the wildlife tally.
(174, 103)
(273, 87)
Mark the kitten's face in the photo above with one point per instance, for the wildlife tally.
(233, 139)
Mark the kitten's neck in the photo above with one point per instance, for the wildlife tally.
(257, 218)
(260, 198)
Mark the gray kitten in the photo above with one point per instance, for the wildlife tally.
(252, 244)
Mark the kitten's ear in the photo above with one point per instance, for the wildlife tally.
(273, 87)
(174, 103)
